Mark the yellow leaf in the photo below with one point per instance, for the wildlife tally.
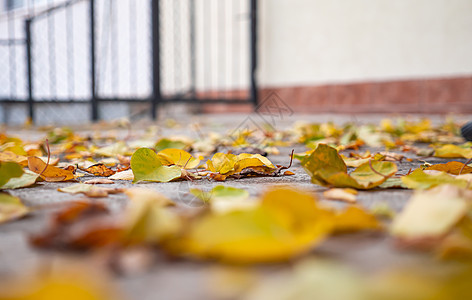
(10, 156)
(146, 218)
(355, 218)
(11, 208)
(419, 179)
(222, 163)
(430, 213)
(287, 223)
(453, 151)
(178, 157)
(245, 160)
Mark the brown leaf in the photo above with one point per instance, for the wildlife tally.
(81, 226)
(99, 170)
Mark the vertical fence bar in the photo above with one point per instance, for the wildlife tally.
(29, 68)
(253, 46)
(156, 83)
(93, 99)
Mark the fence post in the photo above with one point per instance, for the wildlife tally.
(29, 68)
(156, 84)
(253, 51)
(94, 100)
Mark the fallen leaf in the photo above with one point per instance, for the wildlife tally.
(81, 226)
(66, 279)
(355, 218)
(285, 225)
(167, 143)
(326, 167)
(453, 151)
(452, 167)
(49, 173)
(12, 157)
(146, 166)
(89, 190)
(222, 163)
(123, 175)
(430, 214)
(393, 183)
(346, 195)
(99, 170)
(223, 199)
(99, 181)
(147, 220)
(28, 178)
(178, 157)
(9, 170)
(113, 150)
(11, 208)
(419, 179)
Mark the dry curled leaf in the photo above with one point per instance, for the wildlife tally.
(99, 170)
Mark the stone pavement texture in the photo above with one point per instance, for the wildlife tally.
(190, 280)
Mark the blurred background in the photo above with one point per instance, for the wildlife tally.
(78, 61)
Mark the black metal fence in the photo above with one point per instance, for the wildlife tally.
(75, 57)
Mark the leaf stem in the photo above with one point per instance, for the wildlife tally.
(375, 171)
(465, 164)
(49, 157)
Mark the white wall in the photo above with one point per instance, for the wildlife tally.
(324, 41)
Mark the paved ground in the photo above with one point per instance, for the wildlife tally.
(183, 279)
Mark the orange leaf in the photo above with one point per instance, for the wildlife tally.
(49, 173)
(452, 167)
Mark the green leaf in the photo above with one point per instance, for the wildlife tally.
(325, 159)
(367, 178)
(220, 192)
(418, 179)
(9, 170)
(146, 166)
(327, 168)
(166, 143)
(28, 178)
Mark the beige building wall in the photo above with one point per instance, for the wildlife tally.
(305, 42)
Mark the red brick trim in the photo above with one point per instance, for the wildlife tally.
(438, 95)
